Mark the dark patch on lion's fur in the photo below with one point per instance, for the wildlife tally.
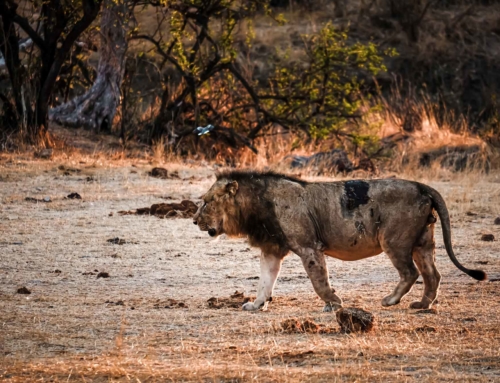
(355, 194)
(257, 217)
(248, 175)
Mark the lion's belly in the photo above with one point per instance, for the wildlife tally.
(354, 254)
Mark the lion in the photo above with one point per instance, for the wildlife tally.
(347, 220)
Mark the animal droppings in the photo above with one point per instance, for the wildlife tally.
(184, 209)
(235, 301)
(294, 325)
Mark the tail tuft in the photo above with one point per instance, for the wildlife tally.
(480, 275)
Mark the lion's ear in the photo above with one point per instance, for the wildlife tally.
(232, 188)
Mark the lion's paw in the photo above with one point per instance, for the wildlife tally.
(389, 301)
(419, 305)
(249, 306)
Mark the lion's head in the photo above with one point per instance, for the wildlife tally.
(218, 209)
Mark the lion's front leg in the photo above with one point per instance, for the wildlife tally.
(270, 266)
(315, 264)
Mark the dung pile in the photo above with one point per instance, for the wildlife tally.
(235, 301)
(185, 209)
(294, 325)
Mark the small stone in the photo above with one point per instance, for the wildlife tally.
(488, 237)
(23, 290)
(497, 221)
(103, 274)
(74, 196)
(47, 199)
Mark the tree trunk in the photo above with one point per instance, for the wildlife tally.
(9, 47)
(96, 109)
(340, 8)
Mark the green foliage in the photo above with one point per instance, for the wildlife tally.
(322, 95)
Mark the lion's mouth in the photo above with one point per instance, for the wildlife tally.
(213, 232)
(203, 226)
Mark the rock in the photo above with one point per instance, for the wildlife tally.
(23, 290)
(159, 173)
(457, 158)
(103, 274)
(352, 319)
(45, 199)
(497, 221)
(488, 237)
(74, 196)
(45, 154)
(335, 160)
(117, 241)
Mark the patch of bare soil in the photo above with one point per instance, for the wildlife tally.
(150, 320)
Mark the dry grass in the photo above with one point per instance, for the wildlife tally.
(72, 329)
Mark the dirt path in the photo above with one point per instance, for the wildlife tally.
(150, 321)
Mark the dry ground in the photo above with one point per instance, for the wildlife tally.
(77, 327)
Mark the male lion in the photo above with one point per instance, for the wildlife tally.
(347, 220)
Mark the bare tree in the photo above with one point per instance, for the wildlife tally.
(63, 23)
(97, 107)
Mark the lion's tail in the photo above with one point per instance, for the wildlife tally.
(440, 206)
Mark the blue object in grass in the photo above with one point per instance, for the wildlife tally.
(200, 130)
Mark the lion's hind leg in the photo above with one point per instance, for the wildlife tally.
(408, 274)
(423, 254)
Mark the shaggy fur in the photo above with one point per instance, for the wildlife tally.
(348, 220)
